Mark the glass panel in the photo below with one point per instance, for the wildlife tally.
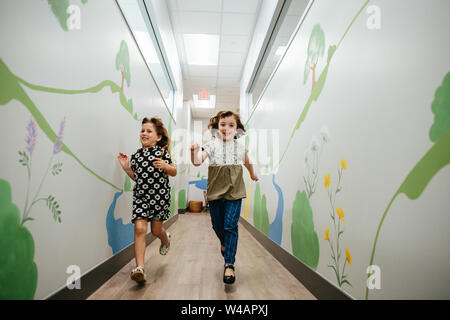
(277, 45)
(149, 47)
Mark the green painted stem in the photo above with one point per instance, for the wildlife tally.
(377, 234)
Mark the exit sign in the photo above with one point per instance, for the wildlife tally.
(203, 95)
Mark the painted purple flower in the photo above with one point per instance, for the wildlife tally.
(58, 143)
(31, 136)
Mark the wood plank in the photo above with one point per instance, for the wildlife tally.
(193, 269)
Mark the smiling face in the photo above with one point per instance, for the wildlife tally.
(149, 136)
(227, 128)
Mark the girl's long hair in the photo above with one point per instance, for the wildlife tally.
(164, 143)
(214, 122)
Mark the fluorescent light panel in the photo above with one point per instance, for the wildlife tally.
(202, 49)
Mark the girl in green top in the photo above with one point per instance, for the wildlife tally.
(226, 187)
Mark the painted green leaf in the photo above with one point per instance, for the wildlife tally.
(441, 109)
(260, 214)
(18, 272)
(257, 207)
(264, 227)
(127, 185)
(331, 50)
(305, 242)
(182, 199)
(433, 161)
(59, 9)
(172, 203)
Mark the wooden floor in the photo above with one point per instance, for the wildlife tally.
(193, 269)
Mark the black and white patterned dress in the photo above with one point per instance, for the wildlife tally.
(151, 192)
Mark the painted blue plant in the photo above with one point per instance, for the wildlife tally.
(201, 184)
(276, 227)
(120, 235)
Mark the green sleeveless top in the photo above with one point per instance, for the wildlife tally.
(225, 172)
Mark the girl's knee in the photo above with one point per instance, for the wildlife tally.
(140, 229)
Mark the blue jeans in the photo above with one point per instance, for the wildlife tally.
(225, 217)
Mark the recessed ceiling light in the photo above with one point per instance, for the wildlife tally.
(202, 49)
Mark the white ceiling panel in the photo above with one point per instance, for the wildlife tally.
(200, 5)
(202, 71)
(200, 22)
(238, 24)
(234, 43)
(203, 81)
(241, 6)
(230, 72)
(231, 59)
(228, 82)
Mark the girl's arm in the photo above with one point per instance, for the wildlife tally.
(197, 155)
(169, 167)
(125, 164)
(249, 167)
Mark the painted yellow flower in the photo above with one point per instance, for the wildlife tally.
(326, 182)
(327, 234)
(348, 256)
(340, 213)
(343, 164)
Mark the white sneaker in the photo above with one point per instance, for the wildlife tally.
(163, 249)
(138, 275)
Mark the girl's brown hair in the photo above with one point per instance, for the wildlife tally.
(164, 143)
(214, 122)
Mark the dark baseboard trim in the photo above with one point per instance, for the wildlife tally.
(182, 211)
(95, 278)
(320, 287)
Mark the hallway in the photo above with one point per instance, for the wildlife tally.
(193, 269)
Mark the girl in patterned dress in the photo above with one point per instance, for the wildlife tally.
(226, 187)
(150, 167)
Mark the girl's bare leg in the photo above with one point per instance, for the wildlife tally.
(140, 231)
(159, 232)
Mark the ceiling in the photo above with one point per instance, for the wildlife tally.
(234, 21)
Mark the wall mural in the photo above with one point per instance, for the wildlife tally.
(437, 157)
(304, 240)
(59, 9)
(120, 235)
(337, 215)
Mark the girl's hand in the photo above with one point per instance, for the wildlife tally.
(123, 160)
(254, 177)
(195, 147)
(160, 164)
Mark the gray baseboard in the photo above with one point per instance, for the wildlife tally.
(320, 287)
(95, 278)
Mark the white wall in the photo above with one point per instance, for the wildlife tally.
(97, 127)
(376, 103)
